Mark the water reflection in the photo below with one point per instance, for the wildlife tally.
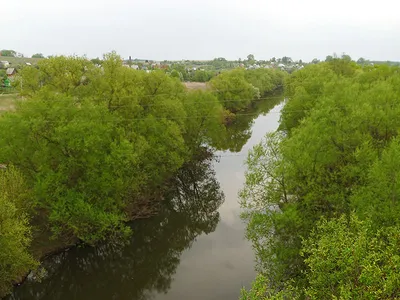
(239, 131)
(146, 264)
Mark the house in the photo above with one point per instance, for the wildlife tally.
(10, 72)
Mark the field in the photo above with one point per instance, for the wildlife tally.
(196, 85)
(7, 101)
(14, 61)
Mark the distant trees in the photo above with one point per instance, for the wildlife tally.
(10, 53)
(236, 89)
(250, 59)
(201, 75)
(315, 61)
(361, 61)
(38, 55)
(220, 63)
(286, 60)
(346, 57)
(233, 90)
(96, 61)
(178, 70)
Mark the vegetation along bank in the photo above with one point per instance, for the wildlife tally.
(321, 199)
(89, 147)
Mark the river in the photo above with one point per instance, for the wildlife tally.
(194, 249)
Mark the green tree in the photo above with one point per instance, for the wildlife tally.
(38, 55)
(233, 90)
(96, 143)
(202, 76)
(361, 61)
(204, 122)
(338, 152)
(346, 57)
(265, 80)
(15, 233)
(349, 260)
(250, 59)
(96, 61)
(286, 60)
(9, 53)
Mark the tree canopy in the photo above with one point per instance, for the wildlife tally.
(321, 194)
(38, 55)
(96, 144)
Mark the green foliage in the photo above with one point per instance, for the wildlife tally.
(179, 71)
(265, 80)
(378, 198)
(250, 59)
(233, 90)
(10, 53)
(38, 55)
(220, 63)
(201, 75)
(94, 143)
(72, 168)
(204, 121)
(337, 151)
(15, 235)
(346, 259)
(260, 291)
(97, 61)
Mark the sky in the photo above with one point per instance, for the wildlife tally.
(203, 29)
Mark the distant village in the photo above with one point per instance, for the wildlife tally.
(186, 70)
(193, 65)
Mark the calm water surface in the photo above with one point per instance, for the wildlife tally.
(195, 249)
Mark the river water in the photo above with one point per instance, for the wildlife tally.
(195, 248)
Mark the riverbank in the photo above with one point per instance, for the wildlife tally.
(91, 150)
(46, 245)
(200, 229)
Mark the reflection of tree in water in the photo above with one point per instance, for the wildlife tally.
(238, 132)
(147, 263)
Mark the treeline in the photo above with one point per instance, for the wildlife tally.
(91, 147)
(183, 73)
(322, 193)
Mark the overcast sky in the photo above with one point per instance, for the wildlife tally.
(203, 29)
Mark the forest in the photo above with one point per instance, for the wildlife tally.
(321, 199)
(89, 148)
